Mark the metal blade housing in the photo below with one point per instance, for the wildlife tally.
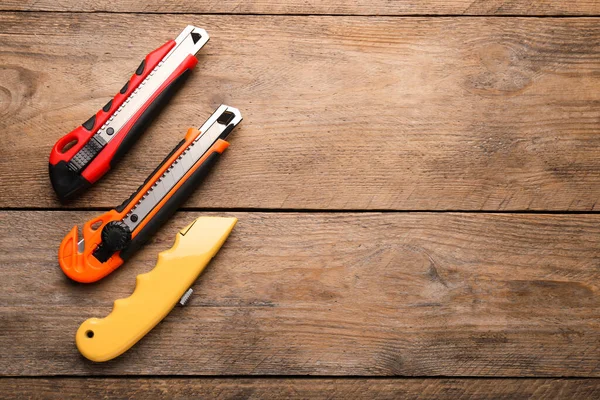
(189, 42)
(223, 118)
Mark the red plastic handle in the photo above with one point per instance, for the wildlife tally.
(103, 161)
(81, 134)
(98, 159)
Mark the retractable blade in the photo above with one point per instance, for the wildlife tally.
(84, 155)
(111, 238)
(156, 292)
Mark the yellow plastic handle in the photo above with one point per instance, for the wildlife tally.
(156, 292)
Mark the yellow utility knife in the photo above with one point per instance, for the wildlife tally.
(156, 292)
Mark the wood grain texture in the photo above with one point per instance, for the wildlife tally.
(339, 7)
(340, 112)
(279, 388)
(414, 294)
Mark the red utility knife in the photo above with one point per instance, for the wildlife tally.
(82, 156)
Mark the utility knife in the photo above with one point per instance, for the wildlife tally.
(84, 155)
(156, 292)
(113, 237)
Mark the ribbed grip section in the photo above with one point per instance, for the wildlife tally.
(156, 292)
(86, 154)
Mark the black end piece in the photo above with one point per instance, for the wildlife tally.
(169, 208)
(196, 37)
(147, 116)
(89, 124)
(66, 183)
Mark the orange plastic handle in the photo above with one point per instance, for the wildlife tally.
(83, 266)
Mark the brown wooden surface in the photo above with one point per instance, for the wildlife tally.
(352, 107)
(340, 112)
(338, 7)
(328, 294)
(219, 388)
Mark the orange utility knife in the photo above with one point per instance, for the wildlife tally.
(111, 238)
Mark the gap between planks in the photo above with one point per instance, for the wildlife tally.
(241, 14)
(314, 210)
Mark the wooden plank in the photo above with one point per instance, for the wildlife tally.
(338, 7)
(340, 112)
(278, 388)
(415, 294)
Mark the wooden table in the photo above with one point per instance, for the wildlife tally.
(417, 185)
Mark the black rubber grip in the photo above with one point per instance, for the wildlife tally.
(147, 116)
(169, 208)
(140, 68)
(89, 124)
(107, 106)
(124, 88)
